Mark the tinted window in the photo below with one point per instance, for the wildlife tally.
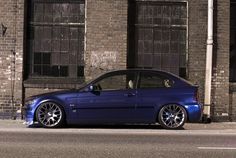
(117, 82)
(153, 80)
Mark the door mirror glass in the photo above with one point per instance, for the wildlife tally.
(91, 88)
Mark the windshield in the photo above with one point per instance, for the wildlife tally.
(83, 86)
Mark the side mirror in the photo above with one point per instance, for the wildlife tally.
(91, 88)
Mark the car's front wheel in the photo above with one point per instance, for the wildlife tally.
(50, 115)
(172, 116)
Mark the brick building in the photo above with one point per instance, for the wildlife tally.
(47, 45)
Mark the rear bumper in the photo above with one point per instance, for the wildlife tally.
(195, 112)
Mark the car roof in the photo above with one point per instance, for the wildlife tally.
(143, 70)
(136, 69)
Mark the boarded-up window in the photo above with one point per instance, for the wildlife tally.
(56, 38)
(160, 31)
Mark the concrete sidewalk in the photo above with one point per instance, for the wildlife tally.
(187, 126)
(211, 126)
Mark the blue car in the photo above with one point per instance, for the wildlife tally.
(133, 96)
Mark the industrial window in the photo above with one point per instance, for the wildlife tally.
(159, 34)
(56, 38)
(232, 76)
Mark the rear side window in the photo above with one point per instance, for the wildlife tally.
(153, 80)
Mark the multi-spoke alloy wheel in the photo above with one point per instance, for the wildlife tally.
(172, 116)
(50, 114)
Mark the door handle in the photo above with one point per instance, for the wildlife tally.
(129, 94)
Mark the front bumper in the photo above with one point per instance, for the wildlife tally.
(28, 116)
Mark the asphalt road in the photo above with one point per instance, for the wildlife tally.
(117, 142)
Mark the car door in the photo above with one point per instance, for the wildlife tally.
(151, 92)
(112, 99)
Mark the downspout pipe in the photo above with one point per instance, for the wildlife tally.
(209, 52)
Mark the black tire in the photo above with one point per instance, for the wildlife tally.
(172, 116)
(50, 115)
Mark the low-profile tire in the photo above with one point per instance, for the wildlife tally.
(50, 115)
(172, 116)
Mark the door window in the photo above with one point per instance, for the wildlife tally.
(117, 82)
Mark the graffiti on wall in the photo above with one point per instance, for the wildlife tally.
(3, 30)
(104, 59)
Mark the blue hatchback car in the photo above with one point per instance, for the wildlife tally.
(120, 97)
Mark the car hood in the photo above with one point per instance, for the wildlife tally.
(52, 93)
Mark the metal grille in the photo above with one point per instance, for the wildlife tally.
(56, 38)
(160, 36)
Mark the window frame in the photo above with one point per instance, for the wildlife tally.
(132, 52)
(43, 80)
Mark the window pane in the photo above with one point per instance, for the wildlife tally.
(63, 71)
(48, 13)
(38, 12)
(37, 70)
(151, 80)
(46, 70)
(46, 58)
(80, 71)
(37, 58)
(55, 71)
(117, 82)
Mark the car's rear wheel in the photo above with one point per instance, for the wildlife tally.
(50, 115)
(172, 116)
